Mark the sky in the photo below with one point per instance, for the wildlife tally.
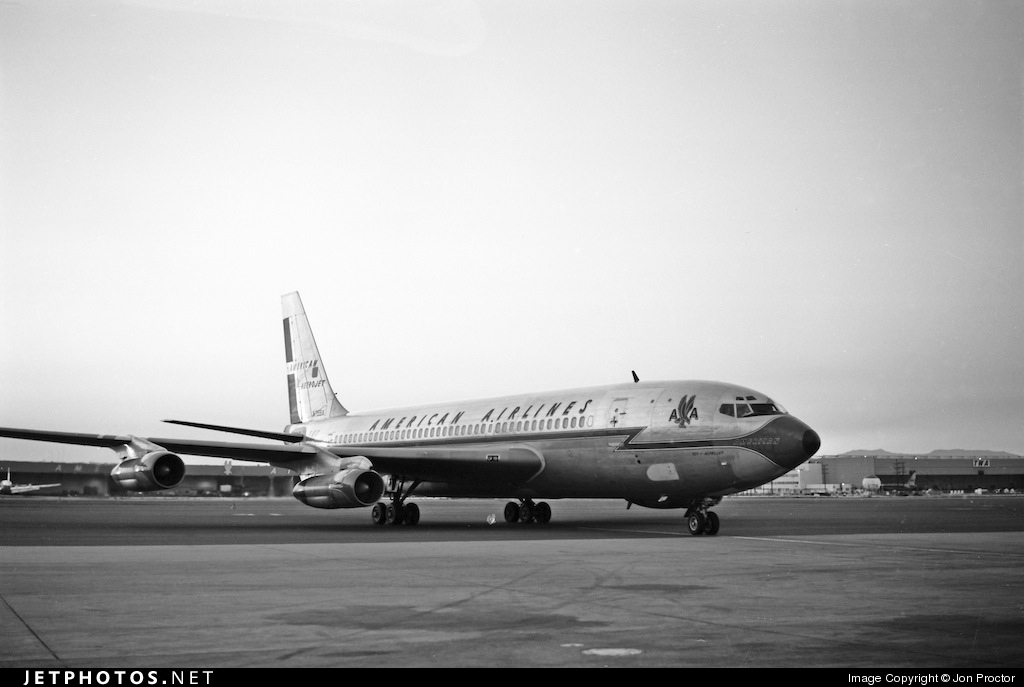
(823, 201)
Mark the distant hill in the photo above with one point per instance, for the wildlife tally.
(936, 452)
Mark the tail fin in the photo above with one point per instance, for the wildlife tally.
(310, 396)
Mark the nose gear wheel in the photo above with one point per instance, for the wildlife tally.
(700, 520)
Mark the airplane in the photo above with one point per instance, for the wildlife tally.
(905, 489)
(666, 445)
(8, 488)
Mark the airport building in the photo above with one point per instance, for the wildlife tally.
(881, 471)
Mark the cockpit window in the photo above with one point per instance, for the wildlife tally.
(748, 407)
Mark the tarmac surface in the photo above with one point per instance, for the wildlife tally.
(914, 583)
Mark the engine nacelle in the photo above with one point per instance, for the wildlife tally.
(352, 488)
(154, 471)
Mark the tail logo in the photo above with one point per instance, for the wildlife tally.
(686, 412)
(311, 365)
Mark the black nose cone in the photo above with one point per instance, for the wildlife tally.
(788, 442)
(812, 442)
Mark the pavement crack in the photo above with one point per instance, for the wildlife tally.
(29, 628)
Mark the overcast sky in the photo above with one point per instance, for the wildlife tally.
(819, 200)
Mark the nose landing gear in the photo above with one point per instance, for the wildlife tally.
(700, 520)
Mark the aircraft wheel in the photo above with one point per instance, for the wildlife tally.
(412, 514)
(395, 516)
(542, 513)
(695, 523)
(511, 512)
(526, 512)
(379, 514)
(711, 524)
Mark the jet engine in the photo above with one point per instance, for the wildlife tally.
(353, 488)
(154, 471)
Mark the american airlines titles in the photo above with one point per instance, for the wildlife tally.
(312, 382)
(518, 413)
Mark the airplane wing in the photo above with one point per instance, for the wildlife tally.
(506, 463)
(26, 488)
(259, 453)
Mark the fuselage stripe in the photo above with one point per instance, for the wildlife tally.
(627, 433)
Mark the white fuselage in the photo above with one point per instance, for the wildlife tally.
(657, 444)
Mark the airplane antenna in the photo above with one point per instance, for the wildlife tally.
(635, 378)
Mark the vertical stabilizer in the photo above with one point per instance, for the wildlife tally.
(310, 396)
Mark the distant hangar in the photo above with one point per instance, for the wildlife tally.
(942, 471)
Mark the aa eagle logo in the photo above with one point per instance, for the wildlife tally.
(686, 412)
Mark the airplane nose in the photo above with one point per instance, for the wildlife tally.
(793, 442)
(812, 442)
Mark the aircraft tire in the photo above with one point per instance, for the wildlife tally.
(412, 514)
(695, 523)
(395, 515)
(542, 513)
(526, 512)
(711, 524)
(379, 513)
(511, 512)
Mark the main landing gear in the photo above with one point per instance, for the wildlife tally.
(528, 511)
(398, 512)
(700, 520)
